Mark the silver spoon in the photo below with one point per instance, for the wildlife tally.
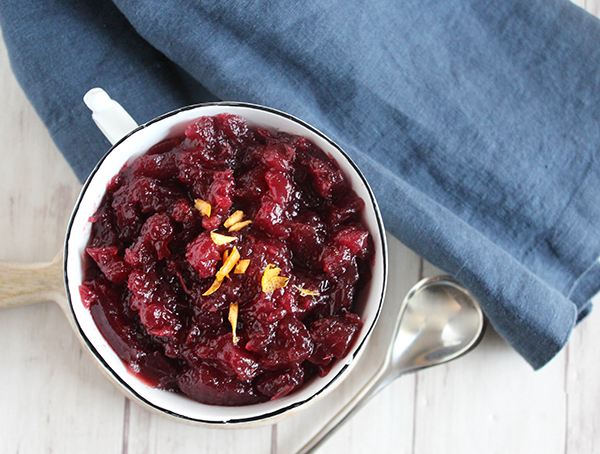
(439, 320)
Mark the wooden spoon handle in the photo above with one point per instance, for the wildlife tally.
(28, 283)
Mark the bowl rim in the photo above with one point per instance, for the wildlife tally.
(349, 360)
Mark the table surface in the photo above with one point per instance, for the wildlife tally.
(54, 398)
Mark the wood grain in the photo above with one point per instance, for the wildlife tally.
(54, 399)
(24, 283)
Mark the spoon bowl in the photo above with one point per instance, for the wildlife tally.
(438, 321)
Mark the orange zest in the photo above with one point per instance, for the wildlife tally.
(229, 264)
(304, 292)
(271, 280)
(203, 207)
(233, 219)
(219, 239)
(241, 266)
(239, 225)
(213, 288)
(231, 257)
(233, 316)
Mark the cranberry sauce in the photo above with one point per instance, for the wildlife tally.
(224, 263)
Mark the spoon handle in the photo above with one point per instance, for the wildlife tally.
(382, 378)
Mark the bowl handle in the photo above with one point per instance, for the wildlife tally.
(110, 117)
(28, 283)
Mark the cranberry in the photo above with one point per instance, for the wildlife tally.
(109, 262)
(234, 128)
(293, 345)
(272, 218)
(153, 241)
(252, 184)
(329, 180)
(88, 296)
(260, 333)
(165, 145)
(279, 384)
(345, 209)
(205, 383)
(204, 132)
(127, 338)
(308, 235)
(104, 229)
(191, 168)
(277, 157)
(340, 264)
(333, 337)
(203, 254)
(183, 212)
(219, 196)
(280, 186)
(355, 239)
(161, 166)
(231, 357)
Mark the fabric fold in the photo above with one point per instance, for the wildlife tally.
(537, 331)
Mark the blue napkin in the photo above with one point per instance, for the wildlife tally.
(476, 123)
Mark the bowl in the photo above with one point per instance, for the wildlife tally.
(368, 303)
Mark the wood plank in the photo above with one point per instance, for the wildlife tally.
(148, 433)
(591, 6)
(582, 373)
(583, 386)
(53, 397)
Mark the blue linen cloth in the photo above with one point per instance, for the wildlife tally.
(476, 123)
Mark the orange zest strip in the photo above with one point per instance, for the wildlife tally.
(233, 316)
(225, 257)
(203, 207)
(232, 259)
(304, 292)
(241, 266)
(219, 239)
(239, 225)
(234, 219)
(271, 271)
(214, 287)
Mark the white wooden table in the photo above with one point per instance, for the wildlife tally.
(54, 399)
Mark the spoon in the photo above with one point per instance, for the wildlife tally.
(439, 320)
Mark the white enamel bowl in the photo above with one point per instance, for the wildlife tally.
(178, 406)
